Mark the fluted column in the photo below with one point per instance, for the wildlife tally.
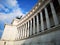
(37, 23)
(21, 32)
(25, 30)
(18, 35)
(54, 14)
(47, 18)
(33, 25)
(42, 22)
(30, 27)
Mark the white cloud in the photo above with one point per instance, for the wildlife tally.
(1, 6)
(10, 16)
(17, 11)
(12, 3)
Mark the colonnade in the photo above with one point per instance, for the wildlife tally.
(36, 24)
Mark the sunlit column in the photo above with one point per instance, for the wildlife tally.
(47, 18)
(37, 23)
(25, 30)
(42, 22)
(18, 34)
(28, 30)
(33, 25)
(54, 14)
(30, 27)
(21, 33)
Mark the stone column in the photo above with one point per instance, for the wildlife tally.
(37, 23)
(21, 32)
(25, 30)
(59, 2)
(42, 22)
(47, 18)
(30, 27)
(33, 25)
(54, 14)
(18, 35)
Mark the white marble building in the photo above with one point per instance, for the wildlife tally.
(41, 26)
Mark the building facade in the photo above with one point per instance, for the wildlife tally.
(41, 26)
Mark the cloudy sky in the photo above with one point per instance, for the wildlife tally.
(9, 9)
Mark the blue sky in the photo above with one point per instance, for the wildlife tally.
(10, 9)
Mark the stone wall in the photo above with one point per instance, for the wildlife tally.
(10, 33)
(52, 38)
(1, 42)
(47, 38)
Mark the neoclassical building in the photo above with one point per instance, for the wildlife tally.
(41, 26)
